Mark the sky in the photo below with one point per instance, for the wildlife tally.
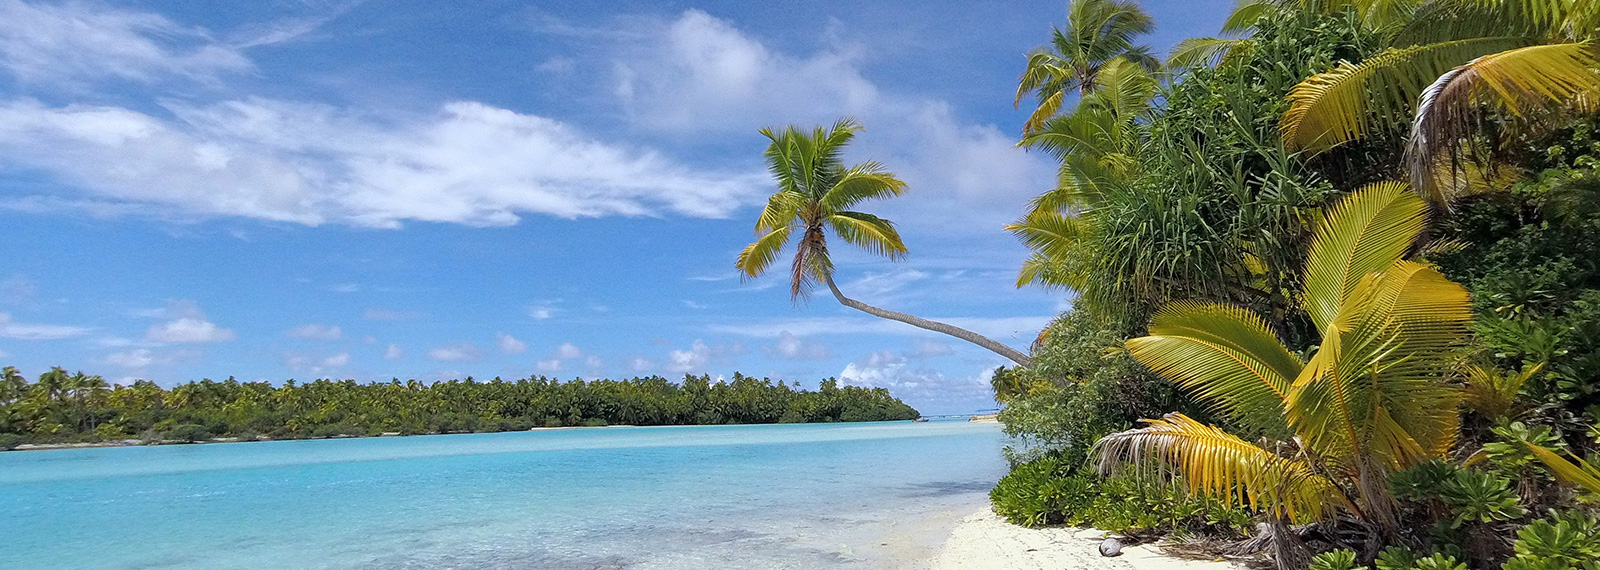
(275, 189)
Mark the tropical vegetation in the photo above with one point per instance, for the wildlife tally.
(1332, 271)
(62, 407)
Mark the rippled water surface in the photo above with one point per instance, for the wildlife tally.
(878, 495)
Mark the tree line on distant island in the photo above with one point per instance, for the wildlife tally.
(62, 407)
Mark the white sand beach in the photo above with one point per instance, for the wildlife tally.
(984, 541)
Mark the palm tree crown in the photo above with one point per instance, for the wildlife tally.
(1098, 32)
(815, 194)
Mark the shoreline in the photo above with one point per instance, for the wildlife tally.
(984, 541)
(132, 442)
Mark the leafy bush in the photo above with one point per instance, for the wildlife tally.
(1336, 560)
(1565, 540)
(1040, 492)
(1049, 491)
(10, 441)
(190, 433)
(1480, 496)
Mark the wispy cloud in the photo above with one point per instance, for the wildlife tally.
(186, 324)
(315, 332)
(997, 327)
(72, 44)
(464, 352)
(21, 331)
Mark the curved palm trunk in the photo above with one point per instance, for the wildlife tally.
(935, 326)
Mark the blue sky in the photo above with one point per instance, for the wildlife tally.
(301, 189)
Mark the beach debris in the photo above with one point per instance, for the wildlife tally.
(1111, 547)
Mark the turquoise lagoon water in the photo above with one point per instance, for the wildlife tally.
(878, 495)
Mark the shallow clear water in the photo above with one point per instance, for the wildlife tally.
(877, 495)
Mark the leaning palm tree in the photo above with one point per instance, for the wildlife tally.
(1445, 64)
(1098, 32)
(815, 193)
(1372, 399)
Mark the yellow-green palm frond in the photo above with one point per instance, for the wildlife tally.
(1365, 232)
(1214, 462)
(1052, 235)
(781, 210)
(1051, 273)
(1204, 52)
(1124, 88)
(1492, 392)
(1376, 384)
(1351, 100)
(1245, 14)
(866, 231)
(866, 181)
(1576, 471)
(1225, 356)
(1518, 81)
(757, 257)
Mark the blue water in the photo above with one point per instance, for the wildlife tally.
(878, 495)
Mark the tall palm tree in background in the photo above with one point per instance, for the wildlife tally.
(1447, 66)
(816, 192)
(1098, 32)
(1371, 400)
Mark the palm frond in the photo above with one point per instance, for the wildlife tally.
(781, 210)
(757, 257)
(1351, 100)
(1225, 356)
(866, 231)
(1492, 392)
(866, 181)
(1245, 13)
(1518, 81)
(1052, 235)
(1578, 471)
(1365, 232)
(1203, 52)
(1211, 461)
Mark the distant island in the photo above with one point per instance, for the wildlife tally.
(63, 408)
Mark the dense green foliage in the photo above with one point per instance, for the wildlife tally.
(62, 407)
(1048, 490)
(1196, 199)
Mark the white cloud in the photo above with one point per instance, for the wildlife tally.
(11, 329)
(700, 354)
(316, 332)
(796, 348)
(188, 330)
(693, 305)
(464, 352)
(77, 42)
(540, 312)
(470, 163)
(510, 345)
(393, 352)
(595, 364)
(311, 365)
(884, 369)
(337, 360)
(567, 351)
(641, 364)
(136, 358)
(700, 74)
(17, 288)
(550, 366)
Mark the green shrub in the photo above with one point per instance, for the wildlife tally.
(189, 433)
(10, 441)
(1049, 491)
(1336, 560)
(1480, 496)
(1040, 492)
(1565, 540)
(1438, 562)
(1396, 558)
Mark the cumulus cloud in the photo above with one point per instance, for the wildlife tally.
(698, 74)
(185, 323)
(136, 358)
(464, 352)
(393, 352)
(700, 354)
(314, 365)
(77, 42)
(469, 163)
(885, 369)
(797, 348)
(511, 345)
(16, 330)
(316, 332)
(641, 364)
(540, 312)
(550, 366)
(568, 351)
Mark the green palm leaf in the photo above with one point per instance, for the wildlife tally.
(1364, 233)
(1222, 465)
(1225, 356)
(757, 257)
(866, 231)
